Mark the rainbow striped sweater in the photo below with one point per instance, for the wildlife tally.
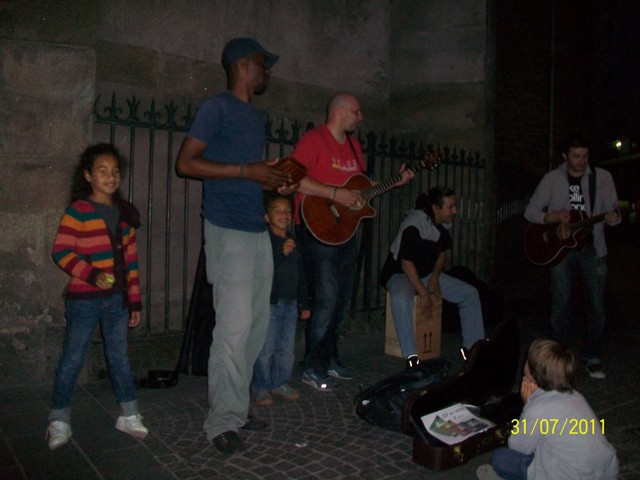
(84, 247)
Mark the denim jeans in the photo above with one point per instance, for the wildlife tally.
(509, 464)
(82, 318)
(333, 272)
(592, 271)
(240, 268)
(453, 290)
(274, 365)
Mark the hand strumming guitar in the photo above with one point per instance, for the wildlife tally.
(559, 216)
(562, 217)
(348, 198)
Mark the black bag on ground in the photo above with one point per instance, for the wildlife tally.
(200, 322)
(381, 404)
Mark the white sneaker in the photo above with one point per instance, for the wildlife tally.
(58, 433)
(595, 370)
(132, 425)
(486, 472)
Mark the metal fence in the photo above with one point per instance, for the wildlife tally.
(509, 234)
(170, 237)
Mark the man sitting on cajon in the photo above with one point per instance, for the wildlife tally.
(414, 267)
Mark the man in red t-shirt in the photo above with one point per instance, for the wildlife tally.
(331, 156)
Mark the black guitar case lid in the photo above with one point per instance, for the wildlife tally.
(489, 371)
(485, 383)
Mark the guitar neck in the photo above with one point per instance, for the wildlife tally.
(587, 222)
(380, 188)
(430, 162)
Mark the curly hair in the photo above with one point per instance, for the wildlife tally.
(435, 196)
(80, 188)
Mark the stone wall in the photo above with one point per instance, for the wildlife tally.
(439, 71)
(418, 67)
(46, 96)
(441, 90)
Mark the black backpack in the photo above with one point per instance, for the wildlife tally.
(381, 404)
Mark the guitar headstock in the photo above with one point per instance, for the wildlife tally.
(631, 209)
(429, 162)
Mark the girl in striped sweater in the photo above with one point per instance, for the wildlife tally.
(96, 246)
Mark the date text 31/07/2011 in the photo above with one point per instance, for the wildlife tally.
(553, 426)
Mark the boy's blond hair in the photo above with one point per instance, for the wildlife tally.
(552, 365)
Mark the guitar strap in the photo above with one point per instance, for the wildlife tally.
(355, 154)
(592, 190)
(592, 201)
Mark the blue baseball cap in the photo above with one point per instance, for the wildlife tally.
(239, 48)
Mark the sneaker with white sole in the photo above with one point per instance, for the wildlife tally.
(338, 370)
(58, 433)
(286, 392)
(132, 425)
(262, 399)
(412, 361)
(486, 472)
(322, 383)
(596, 370)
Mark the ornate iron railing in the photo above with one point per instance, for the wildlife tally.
(169, 252)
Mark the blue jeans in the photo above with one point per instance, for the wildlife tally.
(240, 268)
(592, 271)
(274, 365)
(509, 464)
(333, 273)
(453, 290)
(82, 318)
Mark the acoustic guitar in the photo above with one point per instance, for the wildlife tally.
(544, 247)
(333, 223)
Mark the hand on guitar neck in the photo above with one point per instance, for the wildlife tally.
(353, 198)
(565, 230)
(406, 173)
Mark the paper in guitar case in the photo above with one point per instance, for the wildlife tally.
(484, 384)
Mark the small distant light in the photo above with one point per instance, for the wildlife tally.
(618, 144)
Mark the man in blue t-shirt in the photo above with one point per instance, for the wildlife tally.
(224, 148)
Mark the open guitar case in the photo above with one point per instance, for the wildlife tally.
(485, 381)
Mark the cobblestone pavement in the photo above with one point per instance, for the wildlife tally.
(316, 437)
